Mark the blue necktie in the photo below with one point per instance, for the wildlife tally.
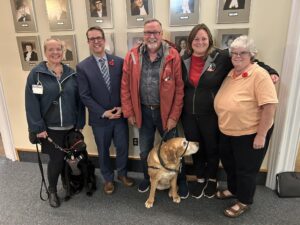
(105, 72)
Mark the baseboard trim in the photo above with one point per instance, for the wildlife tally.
(134, 164)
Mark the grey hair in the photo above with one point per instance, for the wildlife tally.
(52, 39)
(244, 42)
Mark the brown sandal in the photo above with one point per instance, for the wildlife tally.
(233, 213)
(221, 195)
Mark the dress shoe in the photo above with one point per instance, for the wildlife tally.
(54, 200)
(128, 182)
(109, 187)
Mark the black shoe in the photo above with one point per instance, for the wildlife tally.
(211, 189)
(54, 200)
(144, 186)
(197, 189)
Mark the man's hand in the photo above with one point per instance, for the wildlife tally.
(132, 120)
(114, 113)
(171, 124)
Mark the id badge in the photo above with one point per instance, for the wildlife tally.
(37, 89)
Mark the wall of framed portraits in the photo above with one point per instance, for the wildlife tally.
(125, 29)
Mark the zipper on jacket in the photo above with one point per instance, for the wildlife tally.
(194, 96)
(59, 100)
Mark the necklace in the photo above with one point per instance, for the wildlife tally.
(55, 69)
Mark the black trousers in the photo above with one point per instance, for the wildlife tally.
(241, 163)
(203, 129)
(56, 157)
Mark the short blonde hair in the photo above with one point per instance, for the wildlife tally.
(244, 42)
(52, 39)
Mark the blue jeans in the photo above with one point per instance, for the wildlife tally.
(151, 121)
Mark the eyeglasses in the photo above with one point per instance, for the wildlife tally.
(240, 54)
(149, 33)
(95, 39)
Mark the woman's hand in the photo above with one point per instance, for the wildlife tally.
(259, 142)
(43, 134)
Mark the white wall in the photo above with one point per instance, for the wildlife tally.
(268, 26)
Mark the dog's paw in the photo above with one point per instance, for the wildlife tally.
(148, 204)
(176, 199)
(67, 198)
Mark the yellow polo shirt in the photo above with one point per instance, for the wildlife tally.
(238, 101)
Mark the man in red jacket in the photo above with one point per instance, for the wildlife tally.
(152, 93)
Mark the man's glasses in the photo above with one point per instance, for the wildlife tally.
(95, 39)
(149, 33)
(240, 54)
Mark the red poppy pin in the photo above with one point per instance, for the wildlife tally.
(111, 62)
(245, 74)
(168, 57)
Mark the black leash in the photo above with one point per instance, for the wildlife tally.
(43, 183)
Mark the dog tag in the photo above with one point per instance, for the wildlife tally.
(37, 89)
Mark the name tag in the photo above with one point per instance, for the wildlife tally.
(37, 89)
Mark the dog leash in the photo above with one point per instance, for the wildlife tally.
(43, 183)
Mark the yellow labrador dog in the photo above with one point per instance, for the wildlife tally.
(164, 162)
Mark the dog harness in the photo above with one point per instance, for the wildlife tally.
(70, 158)
(73, 162)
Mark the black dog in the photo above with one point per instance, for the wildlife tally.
(79, 171)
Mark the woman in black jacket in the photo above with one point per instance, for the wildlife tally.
(203, 72)
(53, 108)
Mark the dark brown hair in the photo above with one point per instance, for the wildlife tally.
(95, 28)
(193, 34)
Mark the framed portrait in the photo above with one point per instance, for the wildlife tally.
(99, 13)
(226, 36)
(183, 12)
(233, 11)
(29, 51)
(23, 14)
(109, 43)
(180, 38)
(59, 15)
(69, 49)
(134, 39)
(138, 11)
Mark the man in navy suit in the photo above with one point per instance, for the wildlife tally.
(99, 80)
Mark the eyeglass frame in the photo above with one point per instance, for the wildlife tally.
(240, 54)
(154, 33)
(93, 39)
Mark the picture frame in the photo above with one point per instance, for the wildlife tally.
(138, 14)
(29, 51)
(109, 43)
(23, 15)
(180, 39)
(99, 13)
(69, 49)
(59, 15)
(183, 12)
(233, 11)
(134, 39)
(226, 36)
